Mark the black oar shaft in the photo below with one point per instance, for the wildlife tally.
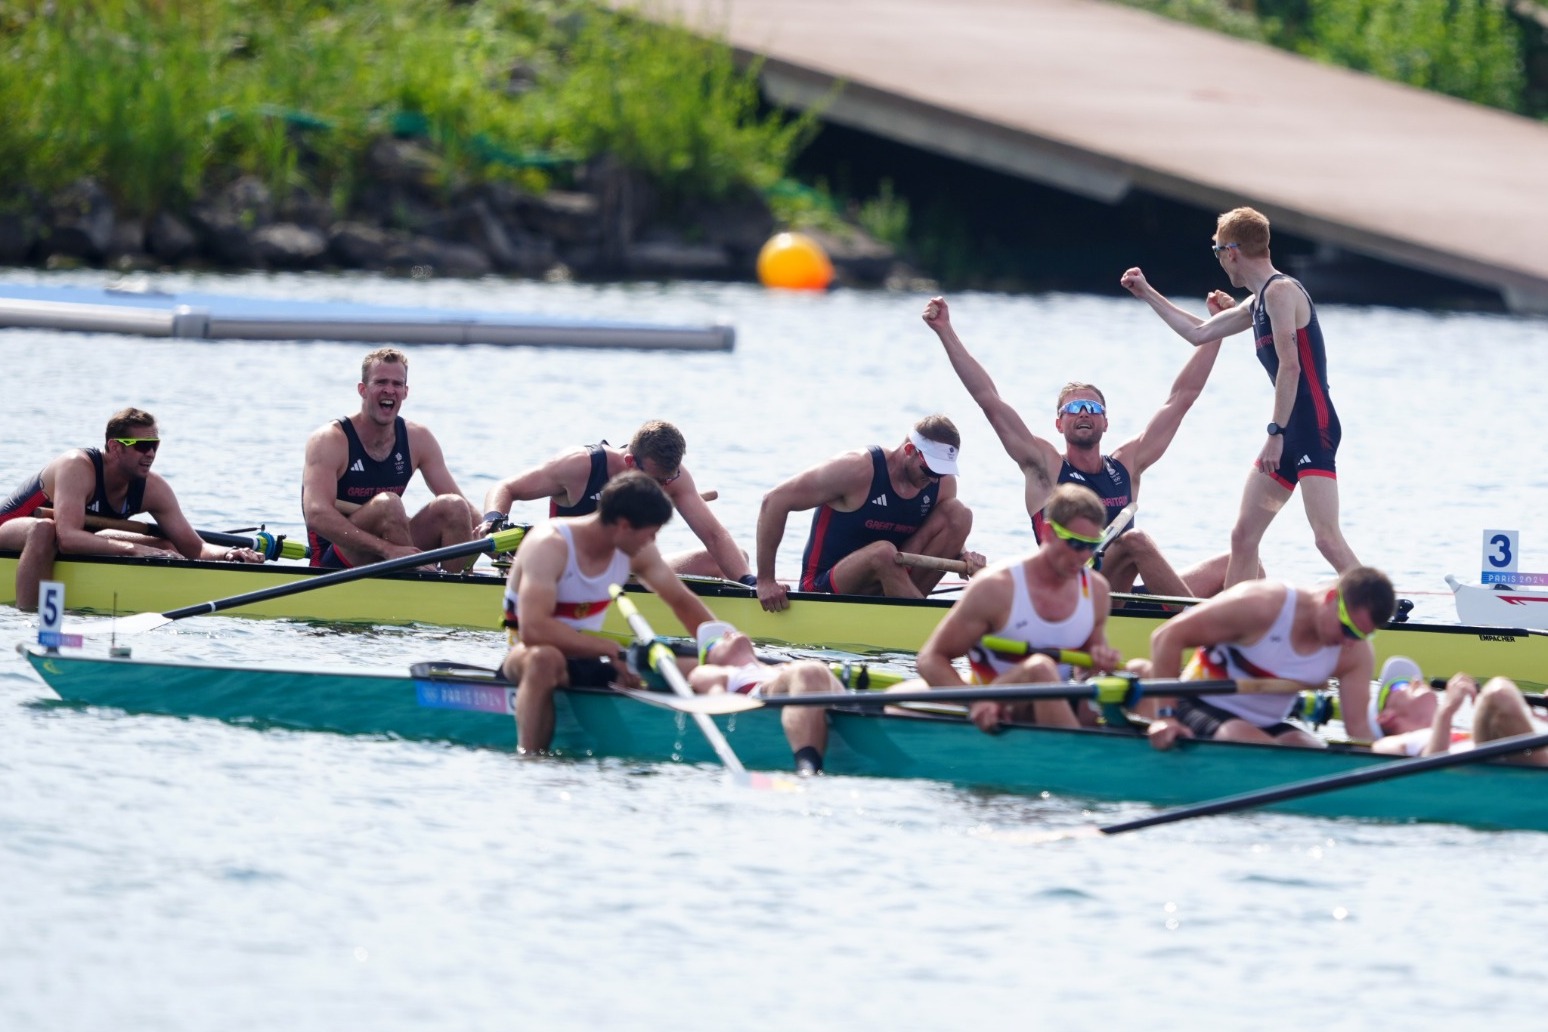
(505, 540)
(1092, 689)
(1382, 771)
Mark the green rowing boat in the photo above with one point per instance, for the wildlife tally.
(472, 707)
(848, 623)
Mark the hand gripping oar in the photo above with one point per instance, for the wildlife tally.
(1316, 786)
(270, 546)
(1113, 689)
(665, 663)
(504, 541)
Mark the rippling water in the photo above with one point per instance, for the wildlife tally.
(184, 874)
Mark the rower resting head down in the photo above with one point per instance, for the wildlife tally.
(556, 598)
(728, 663)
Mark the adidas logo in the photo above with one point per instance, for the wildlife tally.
(1304, 460)
(880, 500)
(358, 467)
(1076, 475)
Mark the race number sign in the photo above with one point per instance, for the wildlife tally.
(1500, 551)
(51, 617)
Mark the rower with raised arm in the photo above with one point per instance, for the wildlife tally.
(1268, 629)
(1047, 600)
(558, 590)
(357, 468)
(1080, 416)
(115, 480)
(870, 506)
(1499, 710)
(573, 479)
(1303, 429)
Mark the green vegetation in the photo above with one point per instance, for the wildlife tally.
(1473, 49)
(161, 100)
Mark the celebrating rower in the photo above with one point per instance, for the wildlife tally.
(1080, 415)
(573, 479)
(357, 468)
(1047, 600)
(1499, 711)
(871, 505)
(112, 481)
(1267, 629)
(557, 590)
(1303, 429)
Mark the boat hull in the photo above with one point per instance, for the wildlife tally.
(847, 623)
(1098, 765)
(1500, 604)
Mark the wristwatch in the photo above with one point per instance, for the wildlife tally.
(1275, 428)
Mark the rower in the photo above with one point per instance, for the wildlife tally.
(869, 506)
(573, 479)
(115, 480)
(1049, 599)
(1263, 629)
(357, 468)
(557, 591)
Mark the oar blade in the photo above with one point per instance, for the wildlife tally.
(101, 627)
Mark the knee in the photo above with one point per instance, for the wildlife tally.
(957, 516)
(384, 505)
(41, 536)
(1137, 545)
(543, 670)
(452, 507)
(1033, 670)
(811, 677)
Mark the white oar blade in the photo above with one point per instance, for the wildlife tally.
(718, 705)
(101, 627)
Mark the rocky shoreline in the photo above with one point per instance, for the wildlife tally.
(611, 226)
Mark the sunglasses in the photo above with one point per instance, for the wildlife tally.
(1220, 248)
(143, 445)
(1077, 542)
(663, 481)
(1351, 632)
(1080, 405)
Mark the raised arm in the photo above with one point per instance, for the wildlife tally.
(1187, 325)
(1036, 456)
(1145, 450)
(701, 519)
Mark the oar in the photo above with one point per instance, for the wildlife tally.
(503, 541)
(1331, 783)
(1114, 689)
(270, 546)
(665, 663)
(1123, 519)
(930, 562)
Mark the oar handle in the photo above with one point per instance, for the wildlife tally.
(1010, 647)
(930, 562)
(1119, 522)
(1115, 688)
(503, 541)
(665, 662)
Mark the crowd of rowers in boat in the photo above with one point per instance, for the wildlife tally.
(869, 507)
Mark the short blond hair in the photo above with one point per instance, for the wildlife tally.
(1247, 228)
(382, 355)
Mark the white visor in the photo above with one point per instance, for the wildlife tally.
(711, 631)
(941, 458)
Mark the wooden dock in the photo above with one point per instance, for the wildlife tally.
(1100, 99)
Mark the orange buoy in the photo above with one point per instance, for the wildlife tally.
(794, 261)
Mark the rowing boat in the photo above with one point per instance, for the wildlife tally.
(1502, 605)
(444, 702)
(847, 623)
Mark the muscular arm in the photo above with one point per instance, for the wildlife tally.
(1356, 667)
(327, 453)
(431, 462)
(1281, 301)
(1238, 614)
(75, 481)
(162, 505)
(562, 477)
(706, 527)
(840, 482)
(1184, 323)
(656, 575)
(1146, 449)
(1104, 658)
(1038, 458)
(984, 605)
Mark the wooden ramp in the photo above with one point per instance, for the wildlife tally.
(1099, 99)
